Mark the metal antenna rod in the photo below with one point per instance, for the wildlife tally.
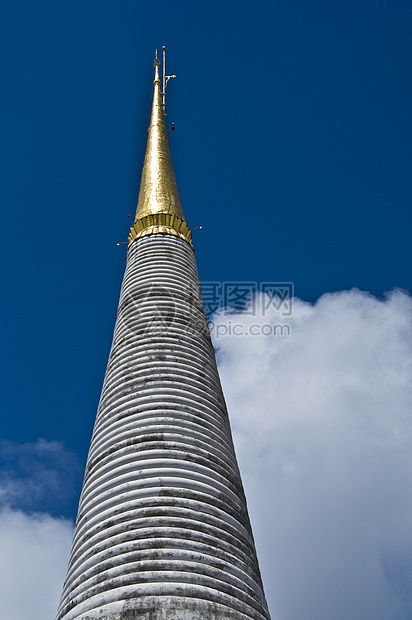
(164, 48)
(166, 78)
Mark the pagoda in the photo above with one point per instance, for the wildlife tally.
(162, 531)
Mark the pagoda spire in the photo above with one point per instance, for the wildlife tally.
(162, 530)
(159, 209)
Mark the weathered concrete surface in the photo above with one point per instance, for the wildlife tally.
(162, 531)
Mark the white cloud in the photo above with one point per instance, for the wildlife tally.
(40, 476)
(322, 421)
(34, 546)
(33, 562)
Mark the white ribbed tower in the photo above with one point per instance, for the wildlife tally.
(162, 531)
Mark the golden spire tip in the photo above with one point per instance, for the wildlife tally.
(158, 207)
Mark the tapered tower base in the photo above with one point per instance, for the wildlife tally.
(162, 530)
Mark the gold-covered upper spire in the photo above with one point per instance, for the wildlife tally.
(158, 207)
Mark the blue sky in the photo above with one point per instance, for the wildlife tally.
(292, 149)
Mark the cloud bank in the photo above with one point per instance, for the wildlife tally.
(322, 422)
(41, 476)
(34, 555)
(34, 546)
